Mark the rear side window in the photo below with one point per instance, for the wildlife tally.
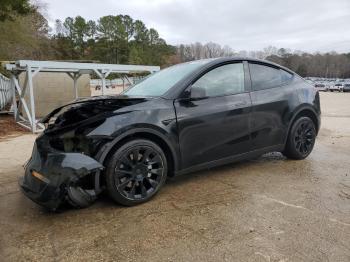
(264, 77)
(286, 76)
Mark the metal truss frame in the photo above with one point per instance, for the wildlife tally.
(31, 68)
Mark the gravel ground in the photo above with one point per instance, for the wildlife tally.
(266, 209)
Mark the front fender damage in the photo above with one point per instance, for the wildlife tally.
(54, 178)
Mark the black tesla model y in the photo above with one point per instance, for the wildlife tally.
(184, 118)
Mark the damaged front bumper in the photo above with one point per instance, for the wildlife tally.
(52, 177)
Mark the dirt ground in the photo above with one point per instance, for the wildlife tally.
(267, 209)
(9, 128)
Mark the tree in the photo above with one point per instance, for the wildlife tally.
(135, 57)
(198, 51)
(153, 37)
(77, 32)
(331, 65)
(141, 32)
(25, 37)
(128, 26)
(302, 70)
(9, 9)
(115, 31)
(59, 28)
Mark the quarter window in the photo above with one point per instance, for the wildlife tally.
(223, 80)
(285, 76)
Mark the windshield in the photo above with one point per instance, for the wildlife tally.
(159, 83)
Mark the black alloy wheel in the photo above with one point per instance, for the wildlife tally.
(136, 172)
(304, 137)
(301, 139)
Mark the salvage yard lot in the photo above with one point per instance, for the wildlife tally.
(266, 209)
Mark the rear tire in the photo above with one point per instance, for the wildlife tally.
(301, 139)
(136, 172)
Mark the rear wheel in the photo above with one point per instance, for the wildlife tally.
(136, 172)
(301, 139)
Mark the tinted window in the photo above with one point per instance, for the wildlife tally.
(223, 80)
(286, 76)
(264, 77)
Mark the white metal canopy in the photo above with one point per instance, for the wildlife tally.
(74, 70)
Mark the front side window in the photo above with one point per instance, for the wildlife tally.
(223, 80)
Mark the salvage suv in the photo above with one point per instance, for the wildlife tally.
(187, 117)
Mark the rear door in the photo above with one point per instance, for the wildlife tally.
(272, 99)
(214, 123)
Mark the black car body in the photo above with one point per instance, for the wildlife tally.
(346, 88)
(187, 127)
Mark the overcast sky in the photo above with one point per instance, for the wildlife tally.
(318, 25)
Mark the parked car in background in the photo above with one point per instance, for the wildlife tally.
(346, 87)
(336, 87)
(187, 117)
(321, 87)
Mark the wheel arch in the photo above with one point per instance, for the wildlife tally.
(144, 133)
(307, 111)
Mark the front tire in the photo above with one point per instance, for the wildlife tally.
(301, 139)
(136, 172)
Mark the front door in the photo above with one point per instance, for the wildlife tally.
(213, 123)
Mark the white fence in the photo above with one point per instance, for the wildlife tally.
(6, 91)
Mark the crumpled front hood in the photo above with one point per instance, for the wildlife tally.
(91, 109)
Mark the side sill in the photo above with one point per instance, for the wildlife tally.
(231, 159)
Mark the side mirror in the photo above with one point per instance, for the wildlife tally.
(197, 92)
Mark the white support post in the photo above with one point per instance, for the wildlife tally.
(128, 79)
(103, 84)
(104, 76)
(22, 94)
(22, 100)
(75, 78)
(31, 98)
(107, 73)
(103, 79)
(14, 101)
